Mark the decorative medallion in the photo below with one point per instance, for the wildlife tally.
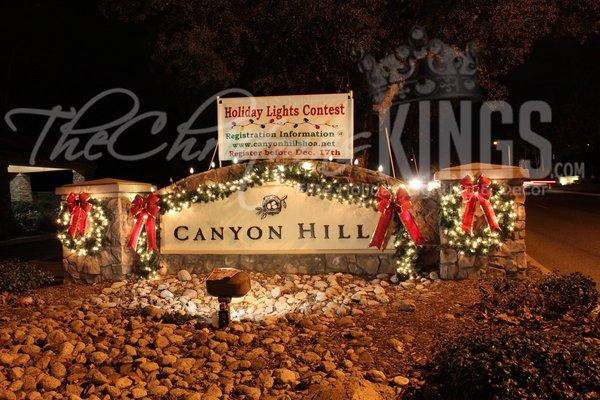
(271, 205)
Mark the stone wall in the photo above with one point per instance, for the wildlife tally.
(425, 211)
(363, 264)
(116, 261)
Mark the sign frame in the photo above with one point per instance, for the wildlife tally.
(348, 121)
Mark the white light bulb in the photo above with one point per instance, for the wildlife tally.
(191, 170)
(415, 184)
(380, 168)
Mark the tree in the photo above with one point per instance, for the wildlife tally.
(307, 46)
(300, 46)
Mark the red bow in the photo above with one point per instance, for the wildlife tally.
(471, 194)
(145, 211)
(79, 207)
(386, 205)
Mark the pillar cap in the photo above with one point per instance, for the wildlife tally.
(492, 171)
(105, 185)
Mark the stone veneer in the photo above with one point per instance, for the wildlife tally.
(510, 259)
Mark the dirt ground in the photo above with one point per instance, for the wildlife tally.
(380, 349)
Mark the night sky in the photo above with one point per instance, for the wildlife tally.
(67, 52)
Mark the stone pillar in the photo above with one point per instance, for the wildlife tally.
(6, 216)
(77, 177)
(20, 188)
(115, 261)
(510, 259)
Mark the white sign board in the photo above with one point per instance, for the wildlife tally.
(269, 219)
(316, 126)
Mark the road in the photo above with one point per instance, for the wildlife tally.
(563, 232)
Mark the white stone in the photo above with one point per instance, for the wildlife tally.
(118, 285)
(184, 276)
(301, 296)
(190, 294)
(276, 292)
(321, 285)
(191, 308)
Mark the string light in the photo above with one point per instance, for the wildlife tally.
(95, 233)
(273, 121)
(481, 241)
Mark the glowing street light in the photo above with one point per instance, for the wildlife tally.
(415, 184)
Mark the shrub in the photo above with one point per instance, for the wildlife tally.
(27, 216)
(515, 365)
(573, 294)
(515, 297)
(34, 217)
(550, 298)
(19, 277)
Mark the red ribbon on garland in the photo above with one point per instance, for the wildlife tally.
(473, 192)
(145, 210)
(386, 205)
(78, 207)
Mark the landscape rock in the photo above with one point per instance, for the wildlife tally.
(184, 276)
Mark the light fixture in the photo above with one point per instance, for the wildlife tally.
(380, 168)
(330, 158)
(415, 184)
(307, 165)
(212, 164)
(356, 161)
(235, 160)
(191, 170)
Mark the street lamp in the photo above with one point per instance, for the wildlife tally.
(497, 143)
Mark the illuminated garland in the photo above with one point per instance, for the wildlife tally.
(308, 180)
(406, 253)
(272, 121)
(301, 176)
(95, 234)
(482, 241)
(147, 259)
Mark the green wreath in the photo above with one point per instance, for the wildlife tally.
(95, 232)
(484, 240)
